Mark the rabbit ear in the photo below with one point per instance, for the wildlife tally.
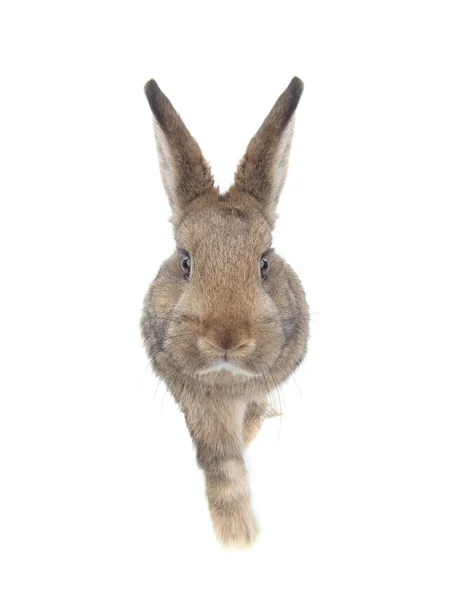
(262, 170)
(184, 171)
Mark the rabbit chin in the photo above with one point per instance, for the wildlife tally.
(226, 366)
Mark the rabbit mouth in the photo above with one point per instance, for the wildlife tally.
(228, 366)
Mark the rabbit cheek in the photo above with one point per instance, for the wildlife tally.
(270, 344)
(179, 345)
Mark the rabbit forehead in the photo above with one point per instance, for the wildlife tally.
(223, 227)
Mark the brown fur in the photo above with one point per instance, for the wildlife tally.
(225, 308)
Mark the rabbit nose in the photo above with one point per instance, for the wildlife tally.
(226, 347)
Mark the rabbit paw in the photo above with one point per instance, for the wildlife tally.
(235, 528)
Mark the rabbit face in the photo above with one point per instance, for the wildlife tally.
(224, 318)
(225, 321)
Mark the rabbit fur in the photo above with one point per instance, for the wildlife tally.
(226, 333)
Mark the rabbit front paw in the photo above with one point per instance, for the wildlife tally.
(235, 526)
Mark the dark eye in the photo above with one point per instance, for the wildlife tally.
(186, 266)
(264, 267)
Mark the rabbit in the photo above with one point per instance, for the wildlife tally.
(226, 320)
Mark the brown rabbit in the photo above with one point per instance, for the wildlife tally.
(226, 320)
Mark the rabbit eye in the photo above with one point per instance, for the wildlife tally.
(264, 267)
(186, 266)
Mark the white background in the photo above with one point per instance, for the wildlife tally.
(100, 494)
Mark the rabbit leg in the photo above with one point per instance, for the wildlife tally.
(216, 430)
(253, 420)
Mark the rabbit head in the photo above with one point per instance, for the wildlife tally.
(225, 308)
